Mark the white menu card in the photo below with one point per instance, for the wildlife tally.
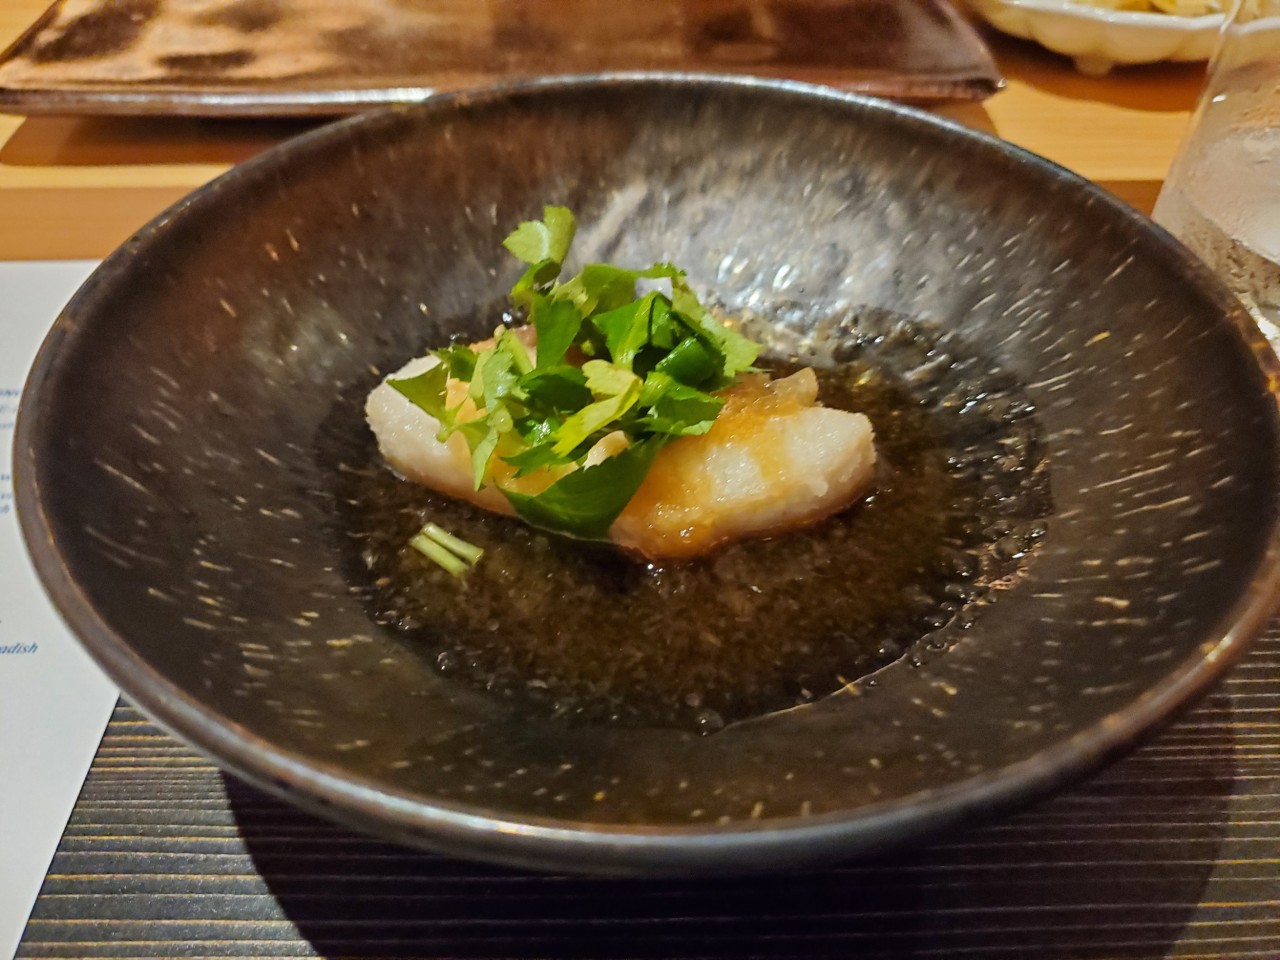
(54, 702)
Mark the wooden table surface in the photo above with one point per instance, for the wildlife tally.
(72, 188)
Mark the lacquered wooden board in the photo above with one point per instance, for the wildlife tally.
(1172, 852)
(290, 57)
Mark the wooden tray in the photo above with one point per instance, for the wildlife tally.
(295, 57)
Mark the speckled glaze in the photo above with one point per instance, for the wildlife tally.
(176, 494)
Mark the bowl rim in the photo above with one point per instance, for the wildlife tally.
(620, 848)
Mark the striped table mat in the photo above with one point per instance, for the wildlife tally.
(1173, 852)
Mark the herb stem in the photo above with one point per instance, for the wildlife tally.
(519, 355)
(467, 551)
(433, 551)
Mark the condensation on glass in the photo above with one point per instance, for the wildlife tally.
(1222, 195)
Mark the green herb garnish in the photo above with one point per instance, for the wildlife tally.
(439, 545)
(607, 360)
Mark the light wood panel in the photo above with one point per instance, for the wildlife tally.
(78, 187)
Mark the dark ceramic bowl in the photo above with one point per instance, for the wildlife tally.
(174, 496)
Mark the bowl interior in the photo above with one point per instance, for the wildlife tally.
(181, 432)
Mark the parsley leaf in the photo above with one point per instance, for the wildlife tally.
(538, 277)
(690, 363)
(626, 329)
(556, 388)
(482, 437)
(739, 353)
(587, 501)
(505, 340)
(676, 409)
(548, 239)
(602, 287)
(495, 376)
(665, 331)
(536, 458)
(428, 392)
(593, 417)
(557, 323)
(544, 245)
(605, 379)
(459, 360)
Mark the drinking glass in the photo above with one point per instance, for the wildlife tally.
(1222, 195)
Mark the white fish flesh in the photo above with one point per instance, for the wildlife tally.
(773, 460)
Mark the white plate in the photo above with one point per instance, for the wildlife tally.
(1098, 39)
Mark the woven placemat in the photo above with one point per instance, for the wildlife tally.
(1173, 852)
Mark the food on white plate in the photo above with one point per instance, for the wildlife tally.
(1177, 8)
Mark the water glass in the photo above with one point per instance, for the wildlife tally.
(1222, 195)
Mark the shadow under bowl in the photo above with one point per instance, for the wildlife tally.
(172, 495)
